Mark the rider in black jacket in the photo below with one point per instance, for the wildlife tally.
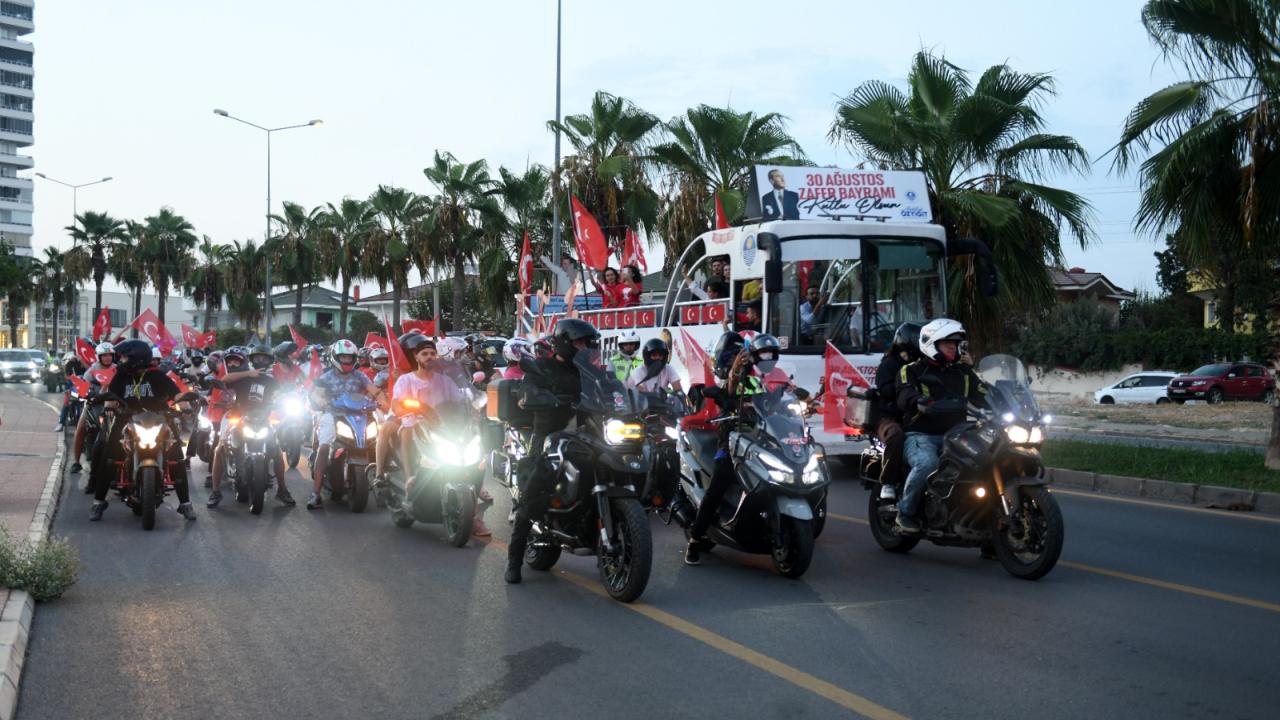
(887, 417)
(553, 408)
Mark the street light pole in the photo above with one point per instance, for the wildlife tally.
(75, 190)
(267, 238)
(555, 202)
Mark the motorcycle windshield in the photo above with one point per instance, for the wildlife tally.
(1008, 387)
(780, 413)
(603, 393)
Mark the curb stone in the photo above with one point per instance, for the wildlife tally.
(1168, 491)
(19, 609)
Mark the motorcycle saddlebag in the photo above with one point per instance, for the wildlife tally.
(504, 406)
(859, 408)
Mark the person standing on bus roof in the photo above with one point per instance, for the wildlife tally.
(610, 286)
(632, 286)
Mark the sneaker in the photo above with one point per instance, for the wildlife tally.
(95, 512)
(75, 468)
(58, 428)
(479, 529)
(692, 555)
(908, 525)
(215, 497)
(512, 575)
(186, 511)
(314, 502)
(283, 496)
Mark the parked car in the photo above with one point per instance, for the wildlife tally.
(1140, 388)
(17, 366)
(1224, 381)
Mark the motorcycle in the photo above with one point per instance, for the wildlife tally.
(778, 506)
(662, 425)
(251, 451)
(144, 476)
(295, 425)
(593, 506)
(450, 461)
(989, 488)
(55, 377)
(351, 459)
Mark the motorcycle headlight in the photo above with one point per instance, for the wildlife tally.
(471, 455)
(293, 407)
(1019, 435)
(812, 474)
(205, 423)
(253, 433)
(617, 432)
(147, 435)
(672, 432)
(779, 471)
(371, 431)
(344, 431)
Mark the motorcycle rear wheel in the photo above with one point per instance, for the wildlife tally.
(792, 557)
(1032, 556)
(459, 517)
(148, 485)
(882, 527)
(626, 575)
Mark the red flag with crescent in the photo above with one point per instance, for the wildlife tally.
(696, 361)
(102, 325)
(298, 340)
(80, 384)
(526, 266)
(190, 338)
(209, 339)
(426, 327)
(633, 252)
(593, 251)
(840, 376)
(722, 219)
(148, 324)
(85, 351)
(103, 376)
(373, 340)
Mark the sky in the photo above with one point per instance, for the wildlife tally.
(127, 89)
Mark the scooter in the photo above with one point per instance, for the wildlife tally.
(351, 462)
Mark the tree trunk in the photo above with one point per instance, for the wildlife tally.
(342, 308)
(208, 314)
(162, 294)
(297, 304)
(1227, 307)
(53, 345)
(99, 276)
(137, 310)
(14, 311)
(459, 290)
(395, 304)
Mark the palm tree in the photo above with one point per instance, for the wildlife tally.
(166, 253)
(391, 254)
(245, 282)
(207, 282)
(526, 199)
(464, 217)
(295, 250)
(127, 264)
(608, 171)
(984, 155)
(93, 235)
(711, 153)
(1216, 176)
(21, 290)
(345, 230)
(60, 282)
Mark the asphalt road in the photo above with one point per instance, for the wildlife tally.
(1155, 612)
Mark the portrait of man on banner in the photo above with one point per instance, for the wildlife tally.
(779, 203)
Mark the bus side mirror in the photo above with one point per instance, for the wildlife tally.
(986, 266)
(768, 242)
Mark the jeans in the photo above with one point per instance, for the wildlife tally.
(921, 451)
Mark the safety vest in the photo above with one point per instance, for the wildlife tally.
(622, 365)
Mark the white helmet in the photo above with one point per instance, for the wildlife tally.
(451, 348)
(940, 329)
(628, 337)
(343, 348)
(515, 349)
(105, 348)
(156, 354)
(377, 354)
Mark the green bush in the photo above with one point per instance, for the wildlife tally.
(231, 336)
(45, 569)
(313, 334)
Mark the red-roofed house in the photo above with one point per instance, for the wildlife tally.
(1077, 284)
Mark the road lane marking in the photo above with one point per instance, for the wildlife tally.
(777, 668)
(1177, 587)
(848, 518)
(1169, 506)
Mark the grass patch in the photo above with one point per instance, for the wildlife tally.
(1235, 469)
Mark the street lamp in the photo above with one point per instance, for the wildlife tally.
(74, 191)
(267, 257)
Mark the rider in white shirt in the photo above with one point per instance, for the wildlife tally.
(656, 374)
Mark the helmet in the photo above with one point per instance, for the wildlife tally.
(156, 355)
(411, 343)
(542, 349)
(379, 358)
(628, 337)
(237, 354)
(194, 357)
(764, 352)
(654, 347)
(104, 348)
(285, 352)
(135, 355)
(260, 357)
(515, 349)
(727, 348)
(451, 348)
(570, 330)
(214, 359)
(906, 339)
(362, 356)
(342, 355)
(940, 329)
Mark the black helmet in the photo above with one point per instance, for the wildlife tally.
(654, 347)
(727, 348)
(569, 330)
(285, 351)
(236, 352)
(133, 355)
(411, 343)
(261, 357)
(907, 339)
(764, 352)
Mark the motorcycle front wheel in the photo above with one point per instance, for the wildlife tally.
(358, 486)
(294, 454)
(626, 573)
(791, 556)
(148, 486)
(1028, 545)
(459, 516)
(256, 480)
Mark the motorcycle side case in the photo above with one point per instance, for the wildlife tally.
(504, 403)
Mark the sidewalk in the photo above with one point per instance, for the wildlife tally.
(28, 447)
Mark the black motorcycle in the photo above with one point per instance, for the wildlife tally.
(450, 459)
(662, 414)
(989, 488)
(251, 452)
(594, 506)
(295, 424)
(144, 475)
(778, 506)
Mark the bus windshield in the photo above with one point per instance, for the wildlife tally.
(857, 302)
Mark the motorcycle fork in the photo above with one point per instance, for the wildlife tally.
(605, 521)
(999, 481)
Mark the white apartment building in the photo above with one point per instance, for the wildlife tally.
(16, 118)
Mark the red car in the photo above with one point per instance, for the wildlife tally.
(1224, 381)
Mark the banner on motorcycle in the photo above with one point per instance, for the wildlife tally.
(190, 338)
(840, 376)
(102, 325)
(85, 351)
(103, 376)
(148, 324)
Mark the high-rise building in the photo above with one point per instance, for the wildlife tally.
(16, 95)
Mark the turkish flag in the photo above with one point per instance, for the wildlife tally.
(840, 375)
(633, 252)
(722, 219)
(803, 268)
(399, 363)
(209, 339)
(714, 312)
(190, 338)
(85, 351)
(103, 377)
(426, 327)
(646, 318)
(81, 385)
(314, 369)
(373, 340)
(696, 361)
(592, 249)
(102, 326)
(148, 324)
(298, 340)
(526, 266)
(182, 386)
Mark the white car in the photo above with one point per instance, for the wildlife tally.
(1141, 388)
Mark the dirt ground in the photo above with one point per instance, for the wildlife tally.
(1234, 422)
